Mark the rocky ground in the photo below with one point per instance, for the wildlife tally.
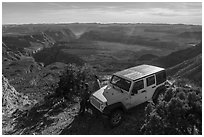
(55, 115)
(62, 118)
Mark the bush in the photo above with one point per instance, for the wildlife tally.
(179, 111)
(73, 79)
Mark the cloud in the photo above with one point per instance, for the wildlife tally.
(53, 12)
(173, 12)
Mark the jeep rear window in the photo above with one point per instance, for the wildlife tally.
(161, 77)
(121, 83)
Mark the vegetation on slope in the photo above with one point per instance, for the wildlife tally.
(45, 112)
(56, 54)
(73, 79)
(179, 111)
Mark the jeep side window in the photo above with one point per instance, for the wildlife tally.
(161, 77)
(150, 80)
(137, 86)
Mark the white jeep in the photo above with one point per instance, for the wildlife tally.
(128, 88)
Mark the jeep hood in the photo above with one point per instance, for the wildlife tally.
(99, 94)
(106, 93)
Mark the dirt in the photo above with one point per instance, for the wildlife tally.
(57, 116)
(90, 124)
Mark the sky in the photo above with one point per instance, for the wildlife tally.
(97, 12)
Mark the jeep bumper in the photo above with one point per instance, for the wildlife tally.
(104, 114)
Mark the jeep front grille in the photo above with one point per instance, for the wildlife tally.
(96, 103)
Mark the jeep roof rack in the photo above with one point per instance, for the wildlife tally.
(137, 72)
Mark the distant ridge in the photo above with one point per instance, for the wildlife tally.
(179, 56)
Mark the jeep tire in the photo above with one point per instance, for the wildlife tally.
(116, 118)
(156, 95)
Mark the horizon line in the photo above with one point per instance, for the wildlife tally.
(101, 23)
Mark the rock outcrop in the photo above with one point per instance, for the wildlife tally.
(13, 100)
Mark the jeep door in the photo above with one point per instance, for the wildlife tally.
(138, 93)
(150, 86)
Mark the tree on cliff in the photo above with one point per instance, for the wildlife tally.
(73, 79)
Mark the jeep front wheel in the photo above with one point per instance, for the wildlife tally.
(116, 118)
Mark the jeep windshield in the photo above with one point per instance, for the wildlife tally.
(120, 83)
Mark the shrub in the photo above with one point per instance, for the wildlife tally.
(73, 79)
(178, 112)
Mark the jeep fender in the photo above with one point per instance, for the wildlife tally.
(158, 90)
(108, 109)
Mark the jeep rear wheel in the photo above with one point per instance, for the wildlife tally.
(156, 96)
(116, 118)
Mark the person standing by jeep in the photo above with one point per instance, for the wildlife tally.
(86, 94)
(97, 84)
(85, 97)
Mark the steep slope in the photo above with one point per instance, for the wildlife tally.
(33, 41)
(27, 43)
(185, 63)
(12, 100)
(18, 46)
(190, 69)
(61, 35)
(178, 56)
(8, 54)
(13, 103)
